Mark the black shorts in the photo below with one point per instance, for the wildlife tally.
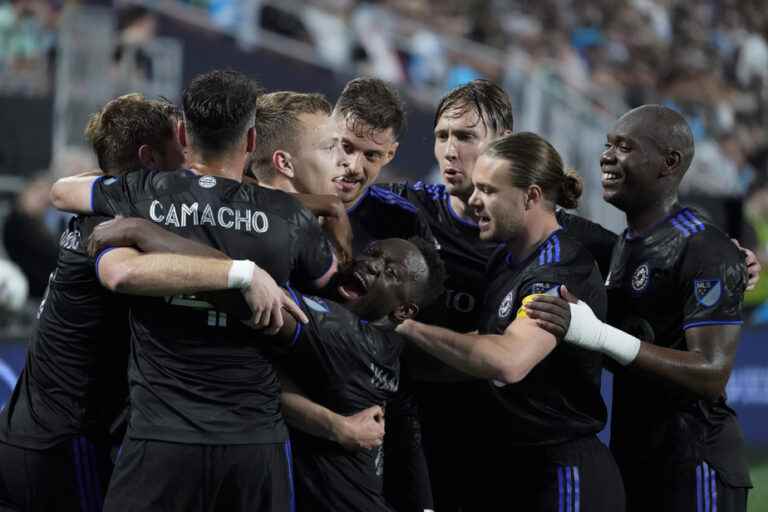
(684, 487)
(575, 476)
(454, 418)
(156, 476)
(71, 476)
(406, 476)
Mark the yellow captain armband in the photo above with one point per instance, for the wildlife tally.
(521, 313)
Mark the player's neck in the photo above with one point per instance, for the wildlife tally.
(460, 207)
(643, 219)
(278, 183)
(225, 166)
(537, 229)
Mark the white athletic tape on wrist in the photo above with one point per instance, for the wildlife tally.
(587, 331)
(241, 274)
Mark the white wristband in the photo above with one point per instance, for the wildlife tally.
(241, 274)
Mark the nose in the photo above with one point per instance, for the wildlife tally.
(608, 156)
(374, 266)
(450, 149)
(474, 200)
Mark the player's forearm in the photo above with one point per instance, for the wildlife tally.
(150, 238)
(692, 371)
(169, 274)
(73, 194)
(475, 354)
(303, 414)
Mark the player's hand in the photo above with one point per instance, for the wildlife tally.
(753, 265)
(553, 314)
(267, 301)
(361, 431)
(119, 232)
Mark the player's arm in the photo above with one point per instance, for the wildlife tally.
(74, 193)
(361, 431)
(506, 357)
(335, 221)
(703, 369)
(147, 237)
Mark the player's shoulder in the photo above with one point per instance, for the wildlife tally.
(384, 196)
(324, 311)
(583, 228)
(562, 249)
(701, 236)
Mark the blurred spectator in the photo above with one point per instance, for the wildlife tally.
(137, 26)
(13, 289)
(25, 32)
(31, 233)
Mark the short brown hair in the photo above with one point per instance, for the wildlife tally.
(534, 161)
(371, 104)
(278, 126)
(126, 123)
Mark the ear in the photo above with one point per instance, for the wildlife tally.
(533, 196)
(147, 157)
(250, 140)
(404, 312)
(391, 152)
(182, 131)
(672, 163)
(283, 163)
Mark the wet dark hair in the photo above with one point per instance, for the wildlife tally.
(534, 161)
(218, 109)
(487, 99)
(434, 287)
(371, 105)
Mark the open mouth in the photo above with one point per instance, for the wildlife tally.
(611, 178)
(483, 222)
(346, 183)
(353, 286)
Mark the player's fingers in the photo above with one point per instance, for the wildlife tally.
(295, 310)
(552, 328)
(548, 303)
(266, 316)
(549, 318)
(256, 318)
(277, 320)
(567, 295)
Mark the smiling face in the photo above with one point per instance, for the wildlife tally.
(383, 279)
(460, 136)
(500, 206)
(632, 162)
(315, 156)
(362, 153)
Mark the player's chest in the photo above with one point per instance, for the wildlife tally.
(646, 281)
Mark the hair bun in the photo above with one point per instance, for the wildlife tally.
(571, 188)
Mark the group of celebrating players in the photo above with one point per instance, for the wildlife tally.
(241, 320)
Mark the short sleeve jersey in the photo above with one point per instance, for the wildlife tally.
(197, 376)
(559, 400)
(347, 365)
(685, 273)
(74, 380)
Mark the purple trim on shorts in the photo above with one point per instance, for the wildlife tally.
(289, 458)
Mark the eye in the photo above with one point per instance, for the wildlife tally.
(372, 157)
(441, 136)
(624, 148)
(391, 273)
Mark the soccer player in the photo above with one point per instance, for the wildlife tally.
(204, 395)
(541, 451)
(296, 143)
(347, 358)
(675, 288)
(55, 430)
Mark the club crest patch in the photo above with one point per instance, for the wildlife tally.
(316, 304)
(207, 181)
(506, 305)
(640, 278)
(708, 291)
